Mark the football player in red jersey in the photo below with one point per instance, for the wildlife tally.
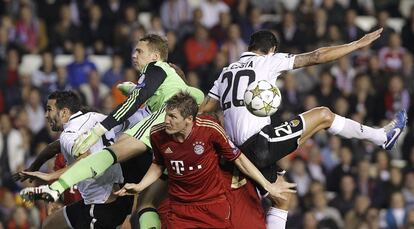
(189, 148)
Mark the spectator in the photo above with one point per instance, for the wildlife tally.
(95, 31)
(79, 69)
(35, 111)
(211, 10)
(46, 74)
(378, 76)
(19, 219)
(334, 11)
(356, 216)
(62, 83)
(362, 100)
(326, 92)
(394, 216)
(12, 153)
(345, 199)
(330, 153)
(175, 50)
(156, 26)
(391, 56)
(396, 97)
(200, 49)
(65, 32)
(342, 169)
(290, 34)
(94, 91)
(314, 166)
(365, 183)
(382, 22)
(344, 74)
(407, 33)
(234, 44)
(299, 176)
(174, 13)
(292, 97)
(29, 32)
(408, 189)
(250, 23)
(351, 32)
(219, 31)
(115, 74)
(324, 214)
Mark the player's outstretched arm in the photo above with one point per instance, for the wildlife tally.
(277, 191)
(326, 54)
(153, 173)
(47, 153)
(209, 105)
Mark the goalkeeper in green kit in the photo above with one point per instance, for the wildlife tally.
(157, 83)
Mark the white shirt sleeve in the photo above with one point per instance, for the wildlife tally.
(67, 140)
(214, 91)
(282, 62)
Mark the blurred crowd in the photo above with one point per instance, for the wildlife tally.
(341, 183)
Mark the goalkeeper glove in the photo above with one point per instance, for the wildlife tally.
(87, 139)
(126, 87)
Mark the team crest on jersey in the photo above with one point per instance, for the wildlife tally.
(141, 79)
(294, 123)
(198, 148)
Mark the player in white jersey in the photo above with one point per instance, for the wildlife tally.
(99, 207)
(266, 143)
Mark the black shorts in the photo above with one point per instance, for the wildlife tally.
(110, 215)
(272, 143)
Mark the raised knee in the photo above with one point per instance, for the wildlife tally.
(326, 115)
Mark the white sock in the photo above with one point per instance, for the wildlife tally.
(276, 218)
(348, 128)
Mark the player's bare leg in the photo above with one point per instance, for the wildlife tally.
(323, 118)
(91, 166)
(276, 216)
(148, 202)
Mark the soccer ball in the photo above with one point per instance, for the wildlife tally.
(262, 98)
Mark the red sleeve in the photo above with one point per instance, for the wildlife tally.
(224, 146)
(60, 162)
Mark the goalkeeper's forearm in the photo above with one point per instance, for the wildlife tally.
(124, 110)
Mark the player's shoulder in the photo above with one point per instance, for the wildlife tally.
(156, 67)
(156, 129)
(209, 123)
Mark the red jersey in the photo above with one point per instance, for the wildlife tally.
(71, 195)
(193, 165)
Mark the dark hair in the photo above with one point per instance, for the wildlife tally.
(263, 41)
(66, 99)
(184, 103)
(157, 43)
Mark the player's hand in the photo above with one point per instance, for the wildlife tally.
(20, 176)
(279, 202)
(46, 177)
(86, 140)
(128, 189)
(369, 38)
(280, 188)
(126, 87)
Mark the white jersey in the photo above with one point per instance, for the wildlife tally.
(229, 89)
(93, 190)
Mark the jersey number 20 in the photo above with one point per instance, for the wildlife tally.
(233, 84)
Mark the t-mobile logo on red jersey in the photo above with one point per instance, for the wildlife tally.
(178, 167)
